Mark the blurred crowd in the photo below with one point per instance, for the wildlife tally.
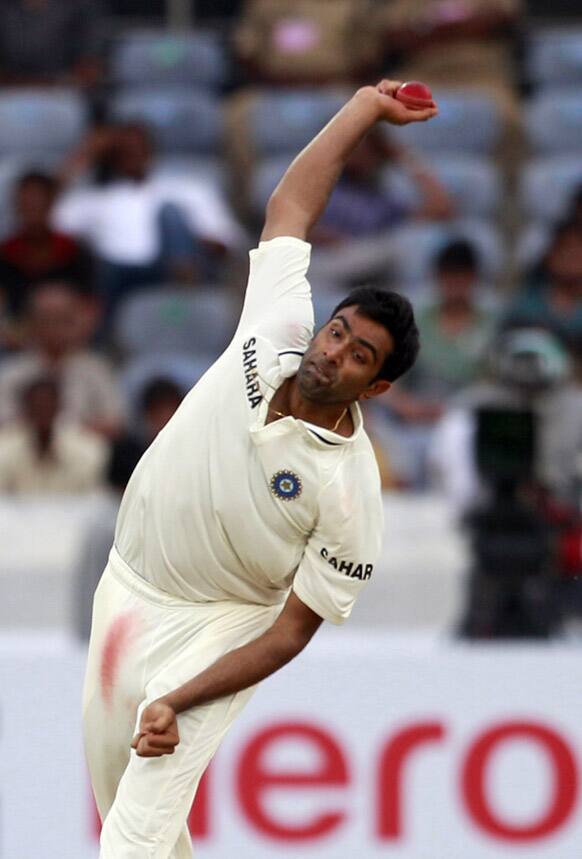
(135, 165)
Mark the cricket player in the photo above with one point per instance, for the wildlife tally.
(255, 515)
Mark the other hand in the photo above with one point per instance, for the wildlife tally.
(158, 731)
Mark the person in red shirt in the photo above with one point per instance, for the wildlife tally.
(36, 253)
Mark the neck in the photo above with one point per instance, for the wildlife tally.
(331, 416)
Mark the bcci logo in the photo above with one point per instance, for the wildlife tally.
(286, 485)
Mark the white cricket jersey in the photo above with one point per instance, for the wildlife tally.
(224, 507)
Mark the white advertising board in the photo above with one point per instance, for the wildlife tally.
(365, 746)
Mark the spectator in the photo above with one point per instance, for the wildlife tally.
(57, 337)
(455, 43)
(50, 42)
(455, 332)
(307, 41)
(142, 225)
(35, 252)
(352, 239)
(552, 296)
(41, 453)
(160, 399)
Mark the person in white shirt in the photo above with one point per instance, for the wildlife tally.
(142, 224)
(42, 453)
(56, 320)
(255, 515)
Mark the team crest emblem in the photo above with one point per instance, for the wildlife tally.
(286, 485)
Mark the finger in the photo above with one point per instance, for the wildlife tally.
(159, 725)
(146, 750)
(420, 115)
(387, 87)
(162, 741)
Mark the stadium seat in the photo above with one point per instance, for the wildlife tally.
(414, 247)
(473, 182)
(159, 57)
(184, 370)
(284, 121)
(554, 121)
(531, 245)
(467, 123)
(207, 168)
(548, 184)
(40, 121)
(195, 322)
(554, 56)
(265, 177)
(183, 119)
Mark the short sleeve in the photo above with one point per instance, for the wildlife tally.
(344, 547)
(278, 302)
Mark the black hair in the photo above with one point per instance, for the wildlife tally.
(458, 255)
(124, 455)
(37, 177)
(395, 313)
(159, 389)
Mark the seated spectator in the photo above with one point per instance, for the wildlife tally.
(307, 41)
(41, 453)
(351, 240)
(160, 399)
(552, 296)
(455, 332)
(143, 226)
(50, 42)
(35, 252)
(455, 43)
(57, 342)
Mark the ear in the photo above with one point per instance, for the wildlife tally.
(380, 386)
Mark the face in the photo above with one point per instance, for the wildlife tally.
(55, 317)
(33, 205)
(564, 263)
(159, 413)
(456, 285)
(343, 360)
(132, 153)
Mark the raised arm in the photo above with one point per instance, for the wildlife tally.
(303, 192)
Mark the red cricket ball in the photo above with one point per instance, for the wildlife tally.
(415, 95)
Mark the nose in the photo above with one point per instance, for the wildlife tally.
(333, 353)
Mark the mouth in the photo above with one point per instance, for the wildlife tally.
(324, 376)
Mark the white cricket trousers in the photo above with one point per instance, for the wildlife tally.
(144, 643)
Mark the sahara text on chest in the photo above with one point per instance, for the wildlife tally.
(348, 568)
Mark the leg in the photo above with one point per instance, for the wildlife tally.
(155, 794)
(142, 649)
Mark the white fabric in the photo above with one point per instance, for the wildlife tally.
(143, 644)
(201, 517)
(75, 463)
(90, 391)
(120, 220)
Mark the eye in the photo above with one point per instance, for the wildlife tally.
(334, 332)
(359, 357)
